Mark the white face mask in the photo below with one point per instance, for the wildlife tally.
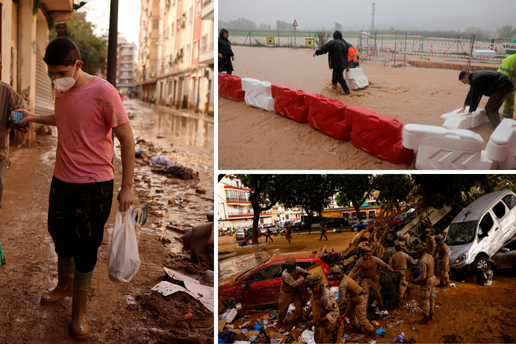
(64, 84)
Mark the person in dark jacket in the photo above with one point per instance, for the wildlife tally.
(225, 53)
(337, 59)
(494, 85)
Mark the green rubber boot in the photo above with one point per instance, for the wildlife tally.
(65, 269)
(81, 289)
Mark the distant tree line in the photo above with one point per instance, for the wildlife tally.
(505, 33)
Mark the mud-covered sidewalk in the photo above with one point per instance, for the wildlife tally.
(466, 313)
(117, 313)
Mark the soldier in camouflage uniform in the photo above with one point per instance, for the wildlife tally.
(399, 263)
(356, 305)
(430, 242)
(368, 274)
(292, 277)
(443, 264)
(329, 327)
(427, 279)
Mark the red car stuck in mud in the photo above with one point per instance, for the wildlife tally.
(259, 287)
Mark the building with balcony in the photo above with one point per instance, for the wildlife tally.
(146, 74)
(126, 67)
(178, 41)
(235, 209)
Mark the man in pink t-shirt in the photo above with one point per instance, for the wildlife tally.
(87, 110)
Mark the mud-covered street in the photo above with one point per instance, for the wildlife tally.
(466, 313)
(117, 313)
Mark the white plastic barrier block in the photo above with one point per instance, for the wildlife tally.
(258, 93)
(456, 120)
(445, 149)
(502, 145)
(356, 79)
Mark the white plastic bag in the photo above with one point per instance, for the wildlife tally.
(123, 256)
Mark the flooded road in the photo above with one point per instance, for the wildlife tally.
(187, 139)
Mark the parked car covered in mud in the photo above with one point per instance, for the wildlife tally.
(336, 223)
(506, 257)
(259, 287)
(300, 225)
(481, 230)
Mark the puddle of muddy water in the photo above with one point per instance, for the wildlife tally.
(233, 265)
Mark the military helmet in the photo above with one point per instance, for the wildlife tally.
(411, 232)
(365, 249)
(313, 279)
(398, 246)
(336, 271)
(400, 236)
(290, 263)
(422, 247)
(439, 237)
(428, 230)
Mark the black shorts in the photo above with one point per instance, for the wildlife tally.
(77, 214)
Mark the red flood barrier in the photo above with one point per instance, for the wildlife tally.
(378, 135)
(289, 102)
(230, 86)
(327, 116)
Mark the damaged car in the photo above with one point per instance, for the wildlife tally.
(259, 287)
(481, 230)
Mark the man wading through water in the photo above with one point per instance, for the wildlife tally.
(337, 59)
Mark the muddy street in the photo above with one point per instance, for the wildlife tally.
(117, 313)
(465, 313)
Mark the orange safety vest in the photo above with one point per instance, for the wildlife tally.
(352, 54)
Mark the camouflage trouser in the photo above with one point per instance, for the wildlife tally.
(375, 287)
(443, 267)
(427, 295)
(357, 309)
(403, 283)
(329, 333)
(285, 300)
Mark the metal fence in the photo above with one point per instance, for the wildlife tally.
(393, 48)
(402, 49)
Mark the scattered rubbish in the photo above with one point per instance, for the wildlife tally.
(198, 291)
(453, 284)
(161, 160)
(375, 323)
(414, 329)
(307, 337)
(188, 316)
(138, 153)
(258, 327)
(400, 338)
(383, 314)
(381, 332)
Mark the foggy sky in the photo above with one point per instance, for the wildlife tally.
(356, 15)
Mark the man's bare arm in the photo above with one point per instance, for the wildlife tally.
(124, 134)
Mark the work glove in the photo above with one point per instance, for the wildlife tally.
(17, 117)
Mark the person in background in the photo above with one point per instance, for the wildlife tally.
(508, 68)
(494, 85)
(323, 233)
(226, 55)
(9, 101)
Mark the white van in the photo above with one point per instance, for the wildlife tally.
(480, 230)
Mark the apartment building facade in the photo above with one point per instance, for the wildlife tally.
(126, 67)
(235, 209)
(176, 56)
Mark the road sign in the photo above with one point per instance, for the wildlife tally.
(295, 23)
(270, 40)
(309, 42)
(509, 45)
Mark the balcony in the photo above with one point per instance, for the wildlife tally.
(207, 55)
(247, 214)
(208, 11)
